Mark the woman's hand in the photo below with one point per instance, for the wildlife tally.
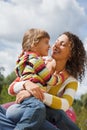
(22, 95)
(34, 89)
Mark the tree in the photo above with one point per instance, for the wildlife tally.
(4, 96)
(1, 70)
(9, 79)
(1, 78)
(84, 100)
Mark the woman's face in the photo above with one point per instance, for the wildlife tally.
(61, 49)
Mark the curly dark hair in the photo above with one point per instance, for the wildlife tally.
(77, 63)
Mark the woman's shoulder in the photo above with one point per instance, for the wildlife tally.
(70, 79)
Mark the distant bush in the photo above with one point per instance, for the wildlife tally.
(81, 112)
(5, 97)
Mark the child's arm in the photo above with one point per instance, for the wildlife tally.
(36, 71)
(15, 86)
(47, 76)
(41, 71)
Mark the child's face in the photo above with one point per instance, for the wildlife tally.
(43, 46)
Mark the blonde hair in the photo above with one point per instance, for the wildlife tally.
(32, 37)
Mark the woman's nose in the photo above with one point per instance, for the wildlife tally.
(57, 44)
(49, 46)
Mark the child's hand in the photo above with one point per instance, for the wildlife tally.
(47, 60)
(51, 66)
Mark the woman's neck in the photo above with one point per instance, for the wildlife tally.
(60, 66)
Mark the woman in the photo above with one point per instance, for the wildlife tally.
(70, 55)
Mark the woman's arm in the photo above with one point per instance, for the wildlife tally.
(50, 99)
(22, 95)
(63, 102)
(53, 101)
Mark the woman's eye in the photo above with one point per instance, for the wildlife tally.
(63, 44)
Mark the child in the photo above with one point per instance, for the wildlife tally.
(31, 66)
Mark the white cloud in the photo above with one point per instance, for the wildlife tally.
(16, 16)
(19, 15)
(81, 90)
(9, 54)
(85, 43)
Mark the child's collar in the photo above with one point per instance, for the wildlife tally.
(31, 52)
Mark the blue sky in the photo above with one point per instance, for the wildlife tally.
(55, 16)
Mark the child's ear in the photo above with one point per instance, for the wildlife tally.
(36, 44)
